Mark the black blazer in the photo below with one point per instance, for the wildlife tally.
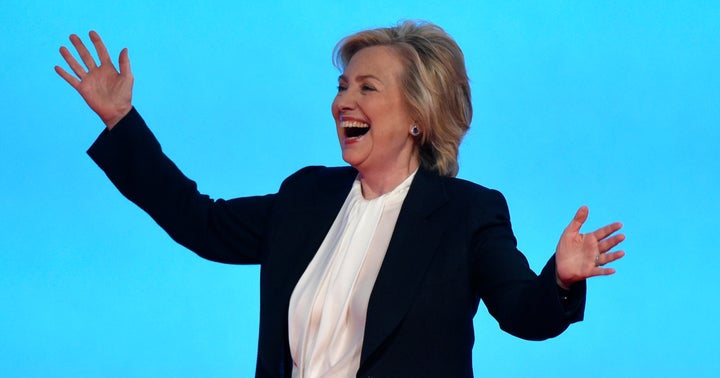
(452, 247)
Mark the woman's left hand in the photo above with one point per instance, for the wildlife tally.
(580, 256)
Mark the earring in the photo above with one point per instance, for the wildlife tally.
(414, 130)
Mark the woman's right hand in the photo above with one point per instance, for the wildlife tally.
(107, 91)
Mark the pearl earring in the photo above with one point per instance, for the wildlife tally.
(414, 130)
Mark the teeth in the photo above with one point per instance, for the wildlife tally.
(354, 124)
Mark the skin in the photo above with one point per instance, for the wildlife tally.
(107, 91)
(580, 256)
(370, 92)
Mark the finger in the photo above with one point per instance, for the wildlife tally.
(70, 59)
(605, 231)
(610, 243)
(613, 256)
(72, 80)
(607, 258)
(578, 220)
(124, 62)
(100, 48)
(83, 52)
(602, 272)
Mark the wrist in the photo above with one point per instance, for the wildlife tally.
(112, 121)
(561, 284)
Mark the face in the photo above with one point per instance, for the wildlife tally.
(371, 117)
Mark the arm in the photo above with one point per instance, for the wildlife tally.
(226, 231)
(526, 305)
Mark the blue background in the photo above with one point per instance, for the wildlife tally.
(611, 104)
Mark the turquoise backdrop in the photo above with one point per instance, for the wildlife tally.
(611, 104)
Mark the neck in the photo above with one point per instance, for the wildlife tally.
(376, 183)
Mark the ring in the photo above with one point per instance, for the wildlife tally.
(597, 260)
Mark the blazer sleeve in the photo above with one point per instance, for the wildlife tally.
(526, 305)
(229, 231)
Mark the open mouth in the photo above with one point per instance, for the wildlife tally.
(354, 129)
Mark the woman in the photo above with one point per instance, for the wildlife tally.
(375, 269)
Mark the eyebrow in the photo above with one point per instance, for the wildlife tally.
(360, 78)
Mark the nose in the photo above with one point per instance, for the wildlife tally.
(344, 101)
(342, 105)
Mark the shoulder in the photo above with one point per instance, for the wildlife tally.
(320, 173)
(489, 202)
(463, 200)
(312, 178)
(464, 186)
(465, 191)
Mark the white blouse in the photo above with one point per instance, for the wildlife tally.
(329, 304)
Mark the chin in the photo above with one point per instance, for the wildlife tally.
(351, 159)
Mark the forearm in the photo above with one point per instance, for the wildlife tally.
(132, 158)
(524, 304)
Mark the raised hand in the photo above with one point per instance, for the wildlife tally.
(107, 91)
(580, 256)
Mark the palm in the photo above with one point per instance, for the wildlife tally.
(580, 256)
(104, 89)
(107, 91)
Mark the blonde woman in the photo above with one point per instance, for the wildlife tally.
(376, 268)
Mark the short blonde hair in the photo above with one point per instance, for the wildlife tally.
(436, 85)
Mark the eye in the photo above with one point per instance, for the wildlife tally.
(368, 88)
(341, 87)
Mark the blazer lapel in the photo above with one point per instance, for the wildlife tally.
(329, 194)
(412, 246)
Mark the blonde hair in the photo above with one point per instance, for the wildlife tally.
(436, 85)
